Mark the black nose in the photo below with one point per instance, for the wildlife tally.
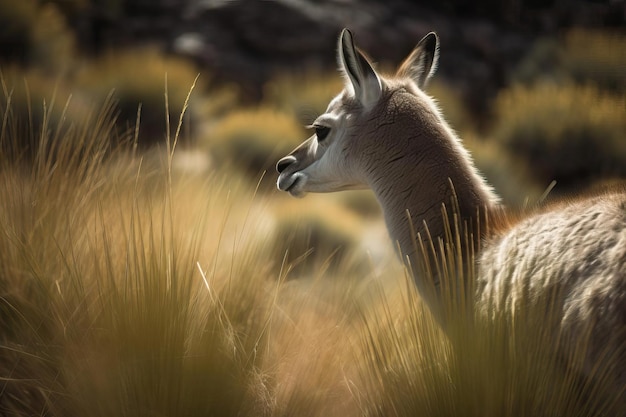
(284, 163)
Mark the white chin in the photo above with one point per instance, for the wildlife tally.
(292, 184)
(297, 193)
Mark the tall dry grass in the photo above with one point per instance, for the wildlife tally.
(502, 358)
(125, 289)
(128, 288)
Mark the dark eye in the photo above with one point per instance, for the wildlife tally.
(321, 132)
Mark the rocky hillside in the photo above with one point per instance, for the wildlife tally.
(246, 41)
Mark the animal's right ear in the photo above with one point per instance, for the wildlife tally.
(421, 64)
(363, 80)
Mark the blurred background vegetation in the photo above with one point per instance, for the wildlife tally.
(237, 290)
(536, 88)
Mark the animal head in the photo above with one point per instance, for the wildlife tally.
(354, 130)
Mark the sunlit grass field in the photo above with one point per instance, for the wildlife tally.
(131, 287)
(174, 281)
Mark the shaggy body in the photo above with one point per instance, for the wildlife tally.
(576, 253)
(386, 134)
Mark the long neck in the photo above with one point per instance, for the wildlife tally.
(422, 190)
(423, 168)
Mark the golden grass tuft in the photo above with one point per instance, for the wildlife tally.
(309, 360)
(36, 106)
(118, 296)
(502, 358)
(506, 366)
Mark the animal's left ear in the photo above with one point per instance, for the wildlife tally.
(421, 64)
(363, 79)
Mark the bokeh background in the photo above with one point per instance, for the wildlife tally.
(536, 88)
(148, 265)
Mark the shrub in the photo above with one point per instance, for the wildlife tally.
(17, 20)
(452, 106)
(508, 175)
(317, 239)
(596, 56)
(252, 141)
(580, 55)
(72, 8)
(53, 46)
(137, 78)
(305, 96)
(35, 34)
(570, 134)
(362, 202)
(36, 108)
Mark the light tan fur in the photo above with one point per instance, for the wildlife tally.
(386, 134)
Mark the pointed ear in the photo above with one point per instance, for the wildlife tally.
(421, 64)
(363, 80)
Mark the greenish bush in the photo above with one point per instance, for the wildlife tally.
(252, 140)
(596, 56)
(137, 81)
(53, 47)
(72, 8)
(36, 34)
(571, 134)
(315, 240)
(581, 55)
(305, 96)
(17, 20)
(37, 107)
(361, 202)
(452, 106)
(509, 176)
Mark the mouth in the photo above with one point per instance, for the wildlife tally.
(290, 184)
(291, 187)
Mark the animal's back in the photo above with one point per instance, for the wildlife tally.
(573, 253)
